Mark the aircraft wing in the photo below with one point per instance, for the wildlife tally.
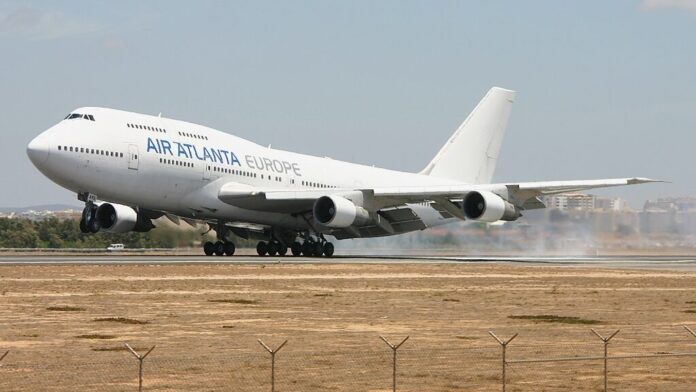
(525, 195)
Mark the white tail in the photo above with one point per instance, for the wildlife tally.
(471, 154)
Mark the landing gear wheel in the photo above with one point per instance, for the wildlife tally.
(83, 226)
(282, 249)
(318, 249)
(272, 249)
(296, 249)
(229, 248)
(307, 249)
(209, 248)
(219, 248)
(261, 248)
(94, 225)
(328, 249)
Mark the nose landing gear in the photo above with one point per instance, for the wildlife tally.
(89, 222)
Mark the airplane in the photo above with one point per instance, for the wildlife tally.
(130, 168)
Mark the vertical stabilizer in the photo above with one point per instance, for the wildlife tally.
(471, 154)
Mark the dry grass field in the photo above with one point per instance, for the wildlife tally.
(65, 326)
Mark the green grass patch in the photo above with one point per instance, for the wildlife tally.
(239, 301)
(121, 320)
(552, 318)
(65, 309)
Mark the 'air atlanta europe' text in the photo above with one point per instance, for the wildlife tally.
(220, 156)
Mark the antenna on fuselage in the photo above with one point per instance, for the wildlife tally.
(159, 115)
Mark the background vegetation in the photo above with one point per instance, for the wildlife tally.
(55, 233)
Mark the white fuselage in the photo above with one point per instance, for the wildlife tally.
(178, 167)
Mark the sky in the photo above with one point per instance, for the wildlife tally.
(605, 88)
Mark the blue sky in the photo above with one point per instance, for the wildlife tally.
(605, 89)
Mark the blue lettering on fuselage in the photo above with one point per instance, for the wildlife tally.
(164, 147)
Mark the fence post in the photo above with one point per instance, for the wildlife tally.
(503, 344)
(606, 356)
(140, 359)
(394, 348)
(685, 327)
(273, 354)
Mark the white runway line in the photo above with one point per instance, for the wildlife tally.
(623, 262)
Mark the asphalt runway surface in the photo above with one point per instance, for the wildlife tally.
(681, 263)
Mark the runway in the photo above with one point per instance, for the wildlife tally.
(682, 263)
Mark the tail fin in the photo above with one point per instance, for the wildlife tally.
(471, 154)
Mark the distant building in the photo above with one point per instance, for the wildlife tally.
(585, 202)
(669, 215)
(571, 201)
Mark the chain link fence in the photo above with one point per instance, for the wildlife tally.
(662, 364)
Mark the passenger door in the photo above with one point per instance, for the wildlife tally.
(133, 157)
(206, 170)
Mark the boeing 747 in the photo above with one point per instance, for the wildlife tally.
(131, 168)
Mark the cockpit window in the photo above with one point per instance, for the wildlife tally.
(73, 116)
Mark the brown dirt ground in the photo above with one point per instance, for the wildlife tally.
(205, 320)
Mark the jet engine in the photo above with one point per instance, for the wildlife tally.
(339, 212)
(486, 206)
(117, 218)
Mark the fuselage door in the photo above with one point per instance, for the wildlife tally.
(206, 170)
(133, 157)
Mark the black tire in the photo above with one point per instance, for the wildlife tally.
(328, 249)
(282, 249)
(208, 248)
(307, 249)
(296, 249)
(94, 226)
(85, 214)
(318, 249)
(272, 249)
(219, 248)
(83, 226)
(261, 248)
(229, 248)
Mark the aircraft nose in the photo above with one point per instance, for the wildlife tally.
(37, 149)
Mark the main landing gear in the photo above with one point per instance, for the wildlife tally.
(309, 248)
(219, 248)
(222, 246)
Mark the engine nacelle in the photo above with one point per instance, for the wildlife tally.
(117, 218)
(339, 212)
(486, 206)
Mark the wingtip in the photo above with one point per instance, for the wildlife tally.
(644, 180)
